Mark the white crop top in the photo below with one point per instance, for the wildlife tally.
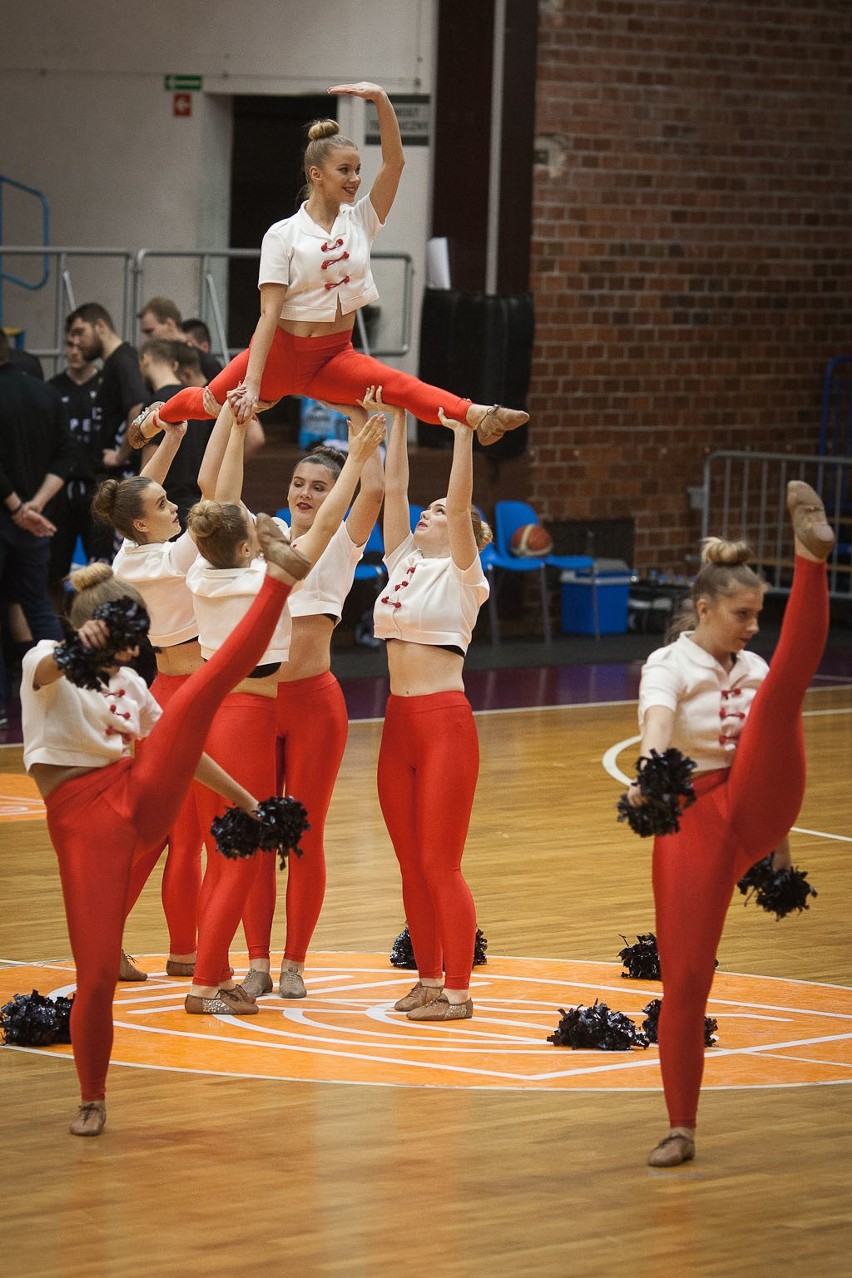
(75, 727)
(159, 574)
(322, 267)
(710, 704)
(430, 601)
(326, 586)
(222, 597)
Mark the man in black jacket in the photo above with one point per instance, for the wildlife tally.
(35, 456)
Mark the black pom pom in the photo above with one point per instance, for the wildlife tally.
(642, 959)
(236, 833)
(128, 624)
(596, 1027)
(664, 780)
(402, 951)
(652, 1018)
(279, 825)
(283, 821)
(779, 892)
(31, 1020)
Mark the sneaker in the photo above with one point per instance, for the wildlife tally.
(255, 982)
(418, 996)
(90, 1119)
(128, 971)
(290, 983)
(441, 1009)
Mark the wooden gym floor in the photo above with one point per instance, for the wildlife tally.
(332, 1137)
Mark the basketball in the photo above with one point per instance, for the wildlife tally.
(531, 541)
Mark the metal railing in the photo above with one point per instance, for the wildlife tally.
(125, 287)
(744, 498)
(7, 183)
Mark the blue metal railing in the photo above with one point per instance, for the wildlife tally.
(30, 285)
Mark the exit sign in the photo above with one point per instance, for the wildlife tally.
(183, 83)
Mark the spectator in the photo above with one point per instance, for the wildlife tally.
(160, 317)
(35, 455)
(122, 390)
(198, 335)
(78, 386)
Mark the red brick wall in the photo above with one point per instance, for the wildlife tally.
(691, 247)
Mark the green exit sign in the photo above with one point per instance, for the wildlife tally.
(183, 83)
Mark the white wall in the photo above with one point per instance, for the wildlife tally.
(87, 120)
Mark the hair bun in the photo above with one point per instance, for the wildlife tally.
(323, 129)
(715, 550)
(90, 575)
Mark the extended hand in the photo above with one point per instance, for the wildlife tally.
(363, 89)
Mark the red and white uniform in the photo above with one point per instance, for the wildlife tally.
(311, 730)
(429, 760)
(744, 730)
(322, 269)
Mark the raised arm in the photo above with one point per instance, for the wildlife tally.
(384, 188)
(158, 460)
(396, 519)
(366, 506)
(463, 547)
(229, 481)
(362, 445)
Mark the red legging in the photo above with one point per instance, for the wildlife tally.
(99, 821)
(325, 368)
(311, 737)
(741, 815)
(242, 741)
(428, 768)
(182, 872)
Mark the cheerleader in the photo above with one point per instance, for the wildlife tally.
(429, 755)
(155, 557)
(314, 277)
(105, 806)
(311, 718)
(223, 582)
(741, 722)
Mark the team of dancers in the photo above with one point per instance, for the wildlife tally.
(244, 704)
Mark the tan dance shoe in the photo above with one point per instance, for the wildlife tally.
(441, 1009)
(290, 983)
(672, 1151)
(418, 996)
(809, 519)
(128, 971)
(90, 1119)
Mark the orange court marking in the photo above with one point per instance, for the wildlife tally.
(19, 798)
(772, 1033)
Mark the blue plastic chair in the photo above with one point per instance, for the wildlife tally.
(373, 569)
(509, 516)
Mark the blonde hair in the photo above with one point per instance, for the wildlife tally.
(725, 570)
(94, 585)
(481, 530)
(217, 528)
(324, 136)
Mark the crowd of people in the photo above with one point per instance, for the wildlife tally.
(141, 457)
